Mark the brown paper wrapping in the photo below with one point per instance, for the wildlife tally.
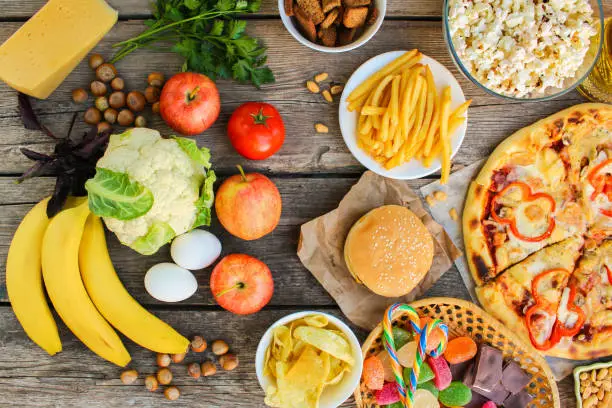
(321, 247)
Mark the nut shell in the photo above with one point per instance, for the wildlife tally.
(106, 72)
(95, 60)
(164, 376)
(219, 347)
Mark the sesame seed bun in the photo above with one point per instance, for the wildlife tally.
(389, 250)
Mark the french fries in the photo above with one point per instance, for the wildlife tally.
(403, 117)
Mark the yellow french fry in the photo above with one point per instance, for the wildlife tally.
(444, 139)
(372, 110)
(394, 103)
(430, 105)
(384, 127)
(453, 125)
(461, 109)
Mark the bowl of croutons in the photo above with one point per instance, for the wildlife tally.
(332, 25)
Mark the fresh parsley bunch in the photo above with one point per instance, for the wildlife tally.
(208, 36)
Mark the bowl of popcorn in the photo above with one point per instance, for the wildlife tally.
(524, 49)
(593, 385)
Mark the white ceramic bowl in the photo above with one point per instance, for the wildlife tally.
(368, 33)
(348, 120)
(333, 395)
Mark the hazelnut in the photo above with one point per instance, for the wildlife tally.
(198, 344)
(164, 376)
(156, 79)
(155, 107)
(194, 370)
(95, 60)
(177, 358)
(98, 88)
(106, 72)
(152, 94)
(104, 127)
(208, 368)
(172, 393)
(116, 100)
(129, 376)
(110, 115)
(117, 84)
(136, 101)
(151, 383)
(219, 347)
(79, 95)
(163, 360)
(140, 121)
(228, 362)
(101, 103)
(125, 117)
(92, 116)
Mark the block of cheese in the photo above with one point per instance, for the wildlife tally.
(40, 55)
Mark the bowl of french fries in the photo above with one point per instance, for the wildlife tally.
(403, 115)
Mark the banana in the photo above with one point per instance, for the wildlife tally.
(115, 303)
(60, 265)
(24, 280)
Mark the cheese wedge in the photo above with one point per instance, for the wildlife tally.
(40, 55)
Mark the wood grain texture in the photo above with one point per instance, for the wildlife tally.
(77, 378)
(490, 119)
(303, 200)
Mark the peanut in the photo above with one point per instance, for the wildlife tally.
(587, 393)
(336, 89)
(590, 402)
(593, 375)
(603, 373)
(312, 87)
(440, 195)
(453, 214)
(219, 347)
(321, 77)
(430, 200)
(327, 96)
(321, 128)
(600, 394)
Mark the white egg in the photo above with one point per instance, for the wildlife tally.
(195, 249)
(170, 283)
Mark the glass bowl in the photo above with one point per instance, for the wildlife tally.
(550, 92)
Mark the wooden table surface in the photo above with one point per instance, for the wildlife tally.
(312, 171)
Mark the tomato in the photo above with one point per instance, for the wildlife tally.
(256, 130)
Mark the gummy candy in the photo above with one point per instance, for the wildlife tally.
(425, 375)
(456, 394)
(401, 337)
(435, 337)
(388, 394)
(460, 349)
(429, 386)
(441, 370)
(373, 373)
(425, 399)
(489, 404)
(407, 354)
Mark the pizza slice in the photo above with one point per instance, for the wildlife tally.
(526, 297)
(587, 299)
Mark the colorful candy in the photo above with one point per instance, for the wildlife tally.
(386, 362)
(435, 337)
(442, 374)
(460, 349)
(429, 386)
(489, 404)
(425, 399)
(373, 373)
(401, 337)
(388, 394)
(406, 354)
(457, 394)
(425, 375)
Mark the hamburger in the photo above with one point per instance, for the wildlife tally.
(389, 250)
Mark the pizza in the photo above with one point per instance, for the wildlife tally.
(537, 227)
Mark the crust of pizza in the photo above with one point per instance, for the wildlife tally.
(508, 297)
(477, 253)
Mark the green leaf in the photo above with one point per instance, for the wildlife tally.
(205, 202)
(217, 28)
(242, 4)
(159, 234)
(260, 76)
(254, 6)
(190, 147)
(236, 28)
(192, 4)
(112, 194)
(226, 5)
(240, 71)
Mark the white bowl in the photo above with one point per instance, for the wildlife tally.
(368, 33)
(333, 395)
(348, 120)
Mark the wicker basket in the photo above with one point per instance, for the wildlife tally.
(466, 319)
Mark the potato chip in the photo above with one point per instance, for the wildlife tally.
(326, 340)
(316, 321)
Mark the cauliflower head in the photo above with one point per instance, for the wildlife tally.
(148, 189)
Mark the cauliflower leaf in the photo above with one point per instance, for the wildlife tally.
(113, 194)
(198, 155)
(205, 202)
(159, 234)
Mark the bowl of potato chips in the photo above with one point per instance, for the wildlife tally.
(308, 359)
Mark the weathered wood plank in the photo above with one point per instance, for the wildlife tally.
(77, 378)
(294, 284)
(304, 151)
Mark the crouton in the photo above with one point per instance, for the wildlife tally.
(308, 28)
(329, 18)
(346, 35)
(329, 5)
(312, 8)
(289, 7)
(328, 36)
(340, 15)
(372, 16)
(356, 3)
(355, 17)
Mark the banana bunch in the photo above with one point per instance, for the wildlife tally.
(68, 254)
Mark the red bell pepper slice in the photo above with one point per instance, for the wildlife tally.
(535, 284)
(609, 272)
(529, 321)
(526, 196)
(560, 329)
(602, 183)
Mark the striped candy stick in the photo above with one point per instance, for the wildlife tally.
(406, 394)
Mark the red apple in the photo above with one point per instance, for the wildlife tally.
(248, 205)
(241, 284)
(189, 103)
